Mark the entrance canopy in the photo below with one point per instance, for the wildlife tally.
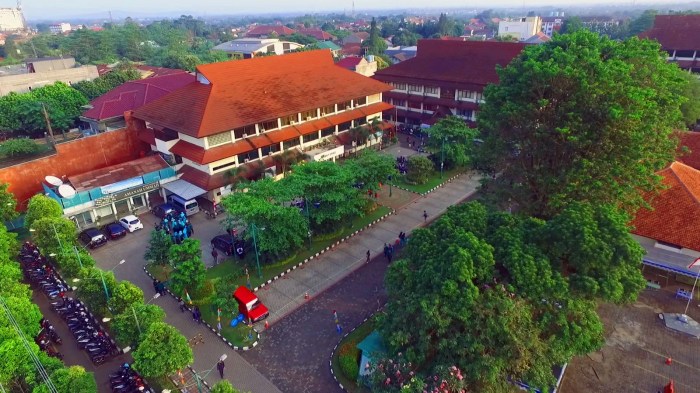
(184, 189)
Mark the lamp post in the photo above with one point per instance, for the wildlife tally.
(133, 311)
(389, 178)
(255, 244)
(55, 232)
(102, 276)
(308, 218)
(442, 156)
(199, 379)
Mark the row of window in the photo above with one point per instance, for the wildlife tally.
(416, 88)
(249, 130)
(468, 95)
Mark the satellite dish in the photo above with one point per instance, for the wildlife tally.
(54, 181)
(66, 191)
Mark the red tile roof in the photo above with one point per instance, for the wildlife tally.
(676, 209)
(244, 92)
(470, 63)
(351, 50)
(267, 30)
(115, 173)
(201, 156)
(283, 134)
(148, 135)
(204, 180)
(134, 94)
(153, 72)
(317, 34)
(349, 62)
(679, 32)
(690, 140)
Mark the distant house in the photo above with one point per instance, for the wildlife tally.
(317, 34)
(679, 36)
(520, 28)
(539, 38)
(265, 31)
(60, 28)
(398, 54)
(334, 48)
(107, 111)
(599, 24)
(552, 24)
(352, 50)
(356, 38)
(363, 66)
(246, 48)
(35, 73)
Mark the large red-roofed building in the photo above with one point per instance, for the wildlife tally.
(444, 78)
(265, 31)
(679, 35)
(242, 111)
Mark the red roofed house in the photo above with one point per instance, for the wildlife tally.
(352, 50)
(107, 112)
(359, 64)
(244, 111)
(265, 31)
(444, 78)
(679, 35)
(317, 34)
(669, 232)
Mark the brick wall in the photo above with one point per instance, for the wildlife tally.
(72, 158)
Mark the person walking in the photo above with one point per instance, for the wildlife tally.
(160, 288)
(182, 305)
(425, 216)
(367, 256)
(196, 315)
(215, 255)
(220, 366)
(155, 285)
(386, 250)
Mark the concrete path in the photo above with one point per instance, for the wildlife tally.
(285, 295)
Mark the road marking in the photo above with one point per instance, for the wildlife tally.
(674, 360)
(666, 377)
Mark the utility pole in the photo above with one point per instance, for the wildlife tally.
(48, 124)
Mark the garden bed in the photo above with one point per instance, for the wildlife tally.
(350, 342)
(433, 181)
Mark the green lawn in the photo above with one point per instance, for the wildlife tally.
(434, 181)
(354, 338)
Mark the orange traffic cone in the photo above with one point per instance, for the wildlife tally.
(267, 325)
(669, 361)
(306, 296)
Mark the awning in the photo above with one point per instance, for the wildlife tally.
(184, 189)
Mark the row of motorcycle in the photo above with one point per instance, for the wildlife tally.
(86, 329)
(127, 380)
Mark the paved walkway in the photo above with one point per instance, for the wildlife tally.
(287, 294)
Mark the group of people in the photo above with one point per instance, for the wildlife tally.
(159, 287)
(402, 164)
(177, 226)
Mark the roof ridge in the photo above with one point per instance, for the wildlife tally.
(673, 167)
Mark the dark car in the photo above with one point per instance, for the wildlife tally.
(92, 238)
(114, 231)
(223, 243)
(163, 210)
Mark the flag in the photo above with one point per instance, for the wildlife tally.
(695, 263)
(187, 296)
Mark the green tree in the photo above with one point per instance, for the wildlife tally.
(158, 250)
(71, 261)
(452, 139)
(26, 315)
(8, 203)
(52, 234)
(571, 25)
(691, 107)
(189, 274)
(41, 206)
(371, 168)
(11, 281)
(68, 380)
(188, 250)
(568, 122)
(419, 169)
(124, 296)
(300, 39)
(19, 147)
(375, 44)
(126, 328)
(91, 289)
(162, 352)
(643, 22)
(224, 387)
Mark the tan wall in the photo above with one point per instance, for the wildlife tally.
(22, 82)
(72, 158)
(366, 69)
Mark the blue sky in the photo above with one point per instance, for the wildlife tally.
(51, 9)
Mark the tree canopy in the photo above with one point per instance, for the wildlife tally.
(163, 351)
(129, 329)
(580, 118)
(41, 206)
(452, 139)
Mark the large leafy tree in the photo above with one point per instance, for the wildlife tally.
(223, 387)
(54, 235)
(188, 250)
(691, 107)
(162, 352)
(41, 206)
(128, 329)
(68, 380)
(580, 118)
(124, 296)
(371, 168)
(91, 289)
(189, 274)
(158, 250)
(8, 203)
(452, 139)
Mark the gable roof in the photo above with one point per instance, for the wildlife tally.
(461, 62)
(134, 94)
(676, 209)
(351, 49)
(361, 34)
(268, 29)
(349, 62)
(317, 34)
(675, 32)
(538, 38)
(690, 140)
(328, 45)
(244, 92)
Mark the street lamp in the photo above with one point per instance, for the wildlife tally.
(442, 156)
(200, 379)
(133, 311)
(389, 178)
(308, 216)
(55, 232)
(102, 276)
(255, 244)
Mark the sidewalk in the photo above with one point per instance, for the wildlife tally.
(288, 293)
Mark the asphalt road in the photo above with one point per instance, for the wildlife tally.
(295, 351)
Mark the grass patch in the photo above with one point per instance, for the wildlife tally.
(162, 383)
(433, 181)
(235, 335)
(351, 341)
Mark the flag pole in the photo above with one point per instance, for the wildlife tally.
(692, 291)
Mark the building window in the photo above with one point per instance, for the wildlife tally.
(431, 90)
(327, 132)
(360, 121)
(398, 102)
(414, 105)
(287, 120)
(344, 126)
(399, 86)
(224, 166)
(360, 101)
(466, 113)
(465, 95)
(267, 150)
(285, 46)
(219, 139)
(286, 145)
(267, 125)
(104, 211)
(245, 157)
(415, 88)
(83, 219)
(243, 132)
(345, 105)
(308, 115)
(311, 137)
(430, 107)
(478, 96)
(327, 110)
(137, 201)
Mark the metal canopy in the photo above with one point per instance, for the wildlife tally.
(184, 189)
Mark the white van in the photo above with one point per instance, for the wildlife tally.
(189, 206)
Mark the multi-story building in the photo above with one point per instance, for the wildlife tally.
(552, 24)
(12, 20)
(679, 35)
(60, 28)
(445, 78)
(247, 111)
(246, 48)
(521, 28)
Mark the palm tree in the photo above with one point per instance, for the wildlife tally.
(285, 159)
(237, 174)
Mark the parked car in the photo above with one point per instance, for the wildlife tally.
(114, 231)
(131, 223)
(249, 305)
(92, 238)
(223, 243)
(163, 210)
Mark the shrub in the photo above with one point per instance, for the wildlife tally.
(348, 358)
(19, 147)
(419, 169)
